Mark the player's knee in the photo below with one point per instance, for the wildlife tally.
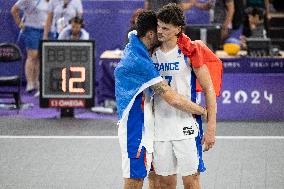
(153, 179)
(168, 182)
(191, 182)
(131, 183)
(167, 185)
(32, 59)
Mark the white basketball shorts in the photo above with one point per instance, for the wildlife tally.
(138, 167)
(177, 156)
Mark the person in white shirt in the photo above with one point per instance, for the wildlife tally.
(177, 134)
(59, 14)
(31, 25)
(74, 31)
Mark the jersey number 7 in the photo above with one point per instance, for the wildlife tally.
(168, 78)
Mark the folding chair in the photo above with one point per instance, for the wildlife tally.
(11, 69)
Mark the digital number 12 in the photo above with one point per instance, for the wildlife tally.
(80, 79)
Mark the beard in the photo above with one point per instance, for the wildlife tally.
(154, 46)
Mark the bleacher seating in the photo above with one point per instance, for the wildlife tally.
(276, 29)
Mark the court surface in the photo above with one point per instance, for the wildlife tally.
(84, 154)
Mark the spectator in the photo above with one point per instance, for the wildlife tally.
(223, 15)
(197, 11)
(264, 4)
(74, 31)
(32, 24)
(59, 14)
(253, 25)
(238, 18)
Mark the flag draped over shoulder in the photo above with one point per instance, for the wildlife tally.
(135, 72)
(199, 54)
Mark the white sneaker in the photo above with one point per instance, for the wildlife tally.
(36, 94)
(30, 87)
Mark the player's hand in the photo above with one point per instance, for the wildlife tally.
(208, 139)
(45, 37)
(268, 16)
(22, 25)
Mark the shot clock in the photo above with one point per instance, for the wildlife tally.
(67, 74)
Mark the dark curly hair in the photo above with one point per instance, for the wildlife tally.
(146, 21)
(134, 17)
(171, 14)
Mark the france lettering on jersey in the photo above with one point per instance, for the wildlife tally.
(171, 123)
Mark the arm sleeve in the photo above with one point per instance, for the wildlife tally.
(50, 7)
(22, 4)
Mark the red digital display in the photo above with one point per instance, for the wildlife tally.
(67, 74)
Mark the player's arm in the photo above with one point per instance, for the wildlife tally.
(187, 5)
(176, 100)
(267, 9)
(204, 5)
(15, 11)
(47, 25)
(204, 79)
(229, 17)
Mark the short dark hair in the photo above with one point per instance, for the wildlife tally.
(171, 14)
(256, 11)
(146, 21)
(77, 20)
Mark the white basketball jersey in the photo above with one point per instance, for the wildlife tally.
(171, 123)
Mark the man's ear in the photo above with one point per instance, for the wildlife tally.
(179, 31)
(150, 34)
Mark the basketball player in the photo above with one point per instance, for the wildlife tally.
(134, 74)
(178, 134)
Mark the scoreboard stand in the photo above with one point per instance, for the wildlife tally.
(67, 112)
(67, 75)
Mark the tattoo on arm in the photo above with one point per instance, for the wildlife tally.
(159, 88)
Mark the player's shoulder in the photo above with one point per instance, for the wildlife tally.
(85, 34)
